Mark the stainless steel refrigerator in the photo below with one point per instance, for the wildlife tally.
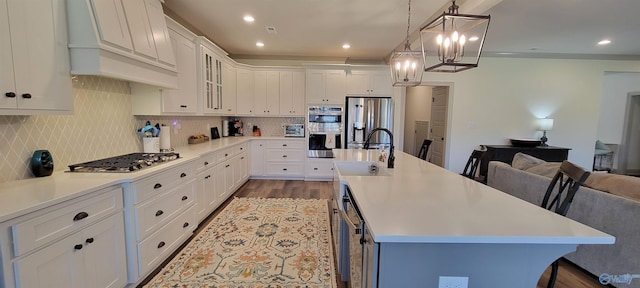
(364, 114)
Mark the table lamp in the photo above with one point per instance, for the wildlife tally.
(544, 125)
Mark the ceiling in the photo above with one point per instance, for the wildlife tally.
(317, 29)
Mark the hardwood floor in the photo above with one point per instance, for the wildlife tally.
(569, 275)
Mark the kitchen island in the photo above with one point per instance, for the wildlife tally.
(428, 222)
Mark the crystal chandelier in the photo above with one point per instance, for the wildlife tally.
(406, 66)
(447, 38)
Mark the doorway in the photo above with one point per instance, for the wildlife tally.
(421, 133)
(629, 159)
(439, 111)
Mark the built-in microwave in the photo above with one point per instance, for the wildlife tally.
(293, 130)
(325, 130)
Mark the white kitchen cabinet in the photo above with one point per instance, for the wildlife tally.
(78, 243)
(267, 93)
(292, 91)
(152, 100)
(229, 89)
(161, 214)
(245, 91)
(279, 159)
(325, 86)
(127, 40)
(34, 63)
(369, 83)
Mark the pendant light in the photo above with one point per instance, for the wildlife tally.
(406, 66)
(453, 42)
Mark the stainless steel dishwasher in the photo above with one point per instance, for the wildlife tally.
(355, 225)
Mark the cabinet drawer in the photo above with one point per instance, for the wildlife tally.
(206, 161)
(224, 155)
(153, 250)
(285, 144)
(288, 169)
(284, 155)
(319, 169)
(162, 182)
(244, 147)
(62, 219)
(155, 213)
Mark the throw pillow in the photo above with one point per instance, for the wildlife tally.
(547, 169)
(621, 185)
(523, 161)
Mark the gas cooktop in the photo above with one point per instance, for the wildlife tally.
(124, 163)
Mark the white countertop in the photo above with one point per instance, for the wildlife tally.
(24, 196)
(423, 203)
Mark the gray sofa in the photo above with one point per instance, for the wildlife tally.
(606, 212)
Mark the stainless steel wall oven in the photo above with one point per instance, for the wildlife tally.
(325, 130)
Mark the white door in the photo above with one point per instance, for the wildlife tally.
(439, 108)
(104, 258)
(420, 134)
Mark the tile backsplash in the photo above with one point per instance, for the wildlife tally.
(101, 126)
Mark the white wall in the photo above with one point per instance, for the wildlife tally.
(615, 91)
(418, 108)
(503, 96)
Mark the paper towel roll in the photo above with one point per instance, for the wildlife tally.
(165, 138)
(151, 144)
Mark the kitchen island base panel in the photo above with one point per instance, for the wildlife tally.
(486, 265)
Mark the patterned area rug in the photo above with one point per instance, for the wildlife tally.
(258, 243)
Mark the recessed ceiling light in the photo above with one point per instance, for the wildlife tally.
(604, 42)
(259, 44)
(473, 38)
(346, 46)
(248, 18)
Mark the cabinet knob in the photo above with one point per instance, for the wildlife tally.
(26, 96)
(10, 94)
(89, 240)
(161, 244)
(184, 198)
(77, 247)
(206, 163)
(80, 216)
(157, 186)
(159, 212)
(185, 225)
(182, 175)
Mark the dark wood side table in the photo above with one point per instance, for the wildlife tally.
(505, 153)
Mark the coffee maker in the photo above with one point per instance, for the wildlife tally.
(235, 128)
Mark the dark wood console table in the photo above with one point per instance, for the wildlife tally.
(505, 153)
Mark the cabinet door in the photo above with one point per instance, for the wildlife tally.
(315, 87)
(112, 24)
(273, 93)
(358, 83)
(58, 265)
(160, 32)
(286, 93)
(138, 20)
(207, 197)
(185, 98)
(335, 87)
(380, 83)
(257, 158)
(244, 168)
(220, 186)
(211, 81)
(244, 92)
(297, 99)
(260, 92)
(228, 89)
(40, 54)
(7, 82)
(104, 254)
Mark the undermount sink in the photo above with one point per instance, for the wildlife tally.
(361, 169)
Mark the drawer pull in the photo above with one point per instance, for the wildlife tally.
(184, 198)
(89, 240)
(206, 163)
(161, 244)
(284, 145)
(315, 168)
(335, 211)
(185, 225)
(183, 106)
(242, 158)
(182, 175)
(157, 186)
(77, 247)
(26, 96)
(80, 216)
(225, 154)
(241, 148)
(207, 177)
(10, 94)
(159, 212)
(284, 169)
(226, 166)
(284, 156)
